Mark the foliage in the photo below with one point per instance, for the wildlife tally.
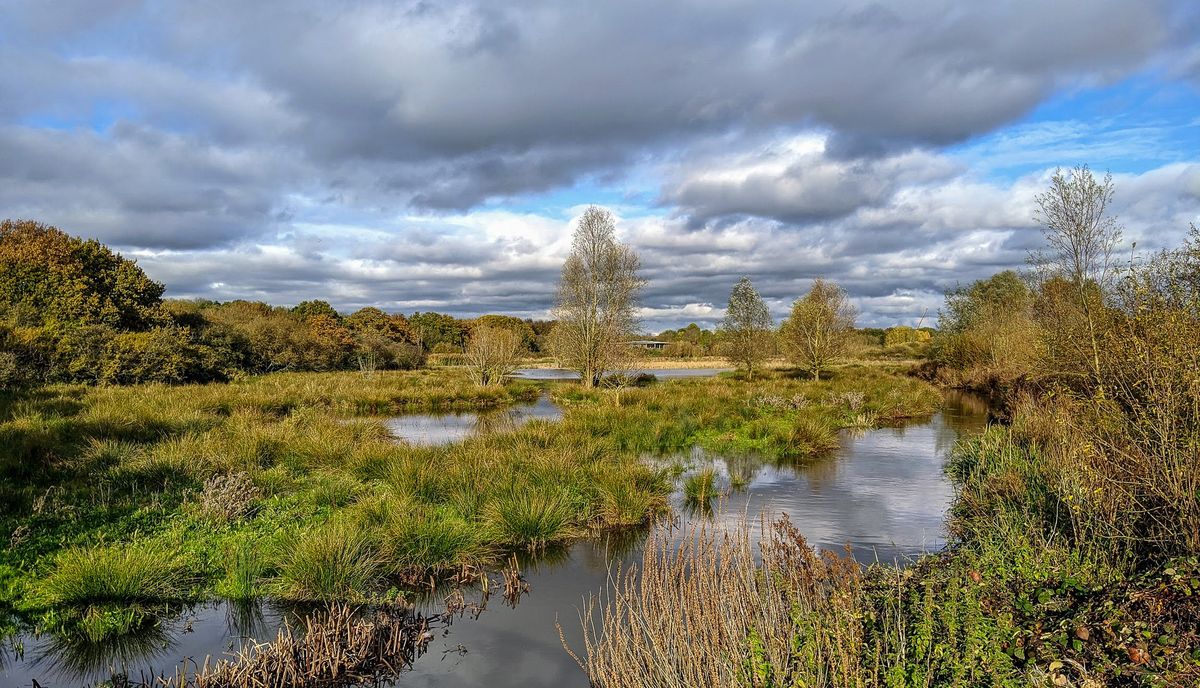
(989, 328)
(819, 329)
(746, 329)
(50, 278)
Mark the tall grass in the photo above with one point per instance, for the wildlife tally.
(533, 517)
(711, 608)
(700, 487)
(332, 562)
(133, 572)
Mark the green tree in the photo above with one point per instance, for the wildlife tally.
(746, 329)
(312, 309)
(48, 276)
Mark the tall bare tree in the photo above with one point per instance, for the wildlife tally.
(1082, 236)
(819, 328)
(597, 299)
(492, 354)
(746, 329)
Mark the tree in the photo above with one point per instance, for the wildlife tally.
(597, 299)
(1082, 236)
(989, 326)
(520, 327)
(50, 277)
(306, 310)
(492, 354)
(819, 328)
(746, 328)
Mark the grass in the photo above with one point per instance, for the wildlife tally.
(136, 572)
(288, 485)
(329, 563)
(700, 487)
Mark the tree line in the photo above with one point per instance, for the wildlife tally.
(73, 310)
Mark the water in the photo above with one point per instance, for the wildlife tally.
(430, 429)
(883, 494)
(661, 373)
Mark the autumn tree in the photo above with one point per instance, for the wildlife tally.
(597, 299)
(492, 354)
(746, 329)
(819, 329)
(1077, 268)
(50, 277)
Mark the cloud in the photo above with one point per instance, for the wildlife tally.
(432, 155)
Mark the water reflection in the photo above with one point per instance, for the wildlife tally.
(436, 429)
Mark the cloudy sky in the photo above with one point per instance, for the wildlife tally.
(425, 155)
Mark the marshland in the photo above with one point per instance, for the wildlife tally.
(823, 505)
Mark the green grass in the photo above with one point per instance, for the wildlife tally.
(133, 572)
(332, 562)
(700, 487)
(533, 518)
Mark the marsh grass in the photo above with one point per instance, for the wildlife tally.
(701, 487)
(132, 572)
(361, 512)
(333, 562)
(533, 518)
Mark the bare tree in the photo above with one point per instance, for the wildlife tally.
(597, 299)
(492, 354)
(819, 329)
(1082, 236)
(746, 330)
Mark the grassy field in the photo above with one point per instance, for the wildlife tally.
(123, 502)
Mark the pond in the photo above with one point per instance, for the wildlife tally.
(431, 429)
(883, 494)
(661, 373)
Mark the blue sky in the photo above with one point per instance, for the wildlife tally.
(433, 155)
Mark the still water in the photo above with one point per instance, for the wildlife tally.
(430, 429)
(661, 373)
(883, 494)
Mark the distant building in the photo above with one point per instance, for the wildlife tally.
(649, 344)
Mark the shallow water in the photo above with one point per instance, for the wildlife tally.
(661, 373)
(445, 428)
(883, 494)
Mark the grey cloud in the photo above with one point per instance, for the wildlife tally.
(473, 100)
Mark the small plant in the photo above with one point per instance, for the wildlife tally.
(228, 497)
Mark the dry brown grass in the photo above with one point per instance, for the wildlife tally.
(709, 612)
(339, 647)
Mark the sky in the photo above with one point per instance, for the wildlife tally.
(422, 155)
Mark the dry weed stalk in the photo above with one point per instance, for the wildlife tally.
(708, 611)
(342, 646)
